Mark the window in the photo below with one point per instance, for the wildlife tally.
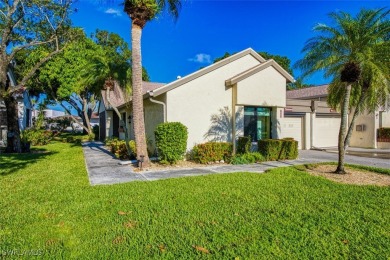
(257, 122)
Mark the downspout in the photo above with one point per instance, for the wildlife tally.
(160, 103)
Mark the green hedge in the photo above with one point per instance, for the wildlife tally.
(171, 141)
(384, 132)
(275, 149)
(119, 149)
(212, 152)
(244, 144)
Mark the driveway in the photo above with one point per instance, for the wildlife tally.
(103, 168)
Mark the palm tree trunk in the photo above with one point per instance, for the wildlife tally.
(353, 120)
(137, 97)
(343, 128)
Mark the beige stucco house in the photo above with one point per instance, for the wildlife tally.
(251, 87)
(246, 83)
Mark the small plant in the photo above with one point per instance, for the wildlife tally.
(133, 149)
(244, 144)
(171, 141)
(253, 157)
(118, 148)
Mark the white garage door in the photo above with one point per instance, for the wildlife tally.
(292, 127)
(326, 131)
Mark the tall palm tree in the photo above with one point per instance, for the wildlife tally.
(141, 12)
(355, 54)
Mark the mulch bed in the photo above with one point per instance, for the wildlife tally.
(353, 176)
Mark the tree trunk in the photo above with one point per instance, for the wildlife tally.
(137, 97)
(343, 128)
(86, 120)
(352, 124)
(13, 131)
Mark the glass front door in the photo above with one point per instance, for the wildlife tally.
(257, 122)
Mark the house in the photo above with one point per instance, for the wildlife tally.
(245, 83)
(245, 89)
(24, 110)
(326, 128)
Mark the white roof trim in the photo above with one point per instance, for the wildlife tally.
(206, 70)
(258, 68)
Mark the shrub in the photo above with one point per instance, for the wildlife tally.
(109, 140)
(270, 149)
(244, 144)
(275, 149)
(289, 149)
(171, 141)
(212, 152)
(384, 133)
(119, 149)
(36, 137)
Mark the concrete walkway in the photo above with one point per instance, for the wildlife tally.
(103, 168)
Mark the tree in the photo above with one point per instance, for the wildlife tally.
(141, 12)
(281, 60)
(26, 25)
(355, 53)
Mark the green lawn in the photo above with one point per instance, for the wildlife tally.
(47, 204)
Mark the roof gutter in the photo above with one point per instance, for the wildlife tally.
(160, 103)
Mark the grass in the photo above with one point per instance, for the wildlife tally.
(47, 204)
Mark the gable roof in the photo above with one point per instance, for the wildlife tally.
(258, 68)
(311, 92)
(206, 70)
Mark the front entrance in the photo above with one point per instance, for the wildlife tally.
(257, 123)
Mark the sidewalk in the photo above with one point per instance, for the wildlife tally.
(104, 168)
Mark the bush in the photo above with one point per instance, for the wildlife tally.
(247, 158)
(275, 149)
(109, 140)
(290, 149)
(119, 149)
(212, 152)
(244, 144)
(36, 137)
(171, 141)
(384, 133)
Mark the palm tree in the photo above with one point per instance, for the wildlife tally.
(355, 54)
(141, 12)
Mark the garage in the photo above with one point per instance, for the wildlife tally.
(326, 130)
(292, 126)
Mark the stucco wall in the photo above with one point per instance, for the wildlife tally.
(154, 115)
(266, 88)
(367, 138)
(384, 119)
(195, 102)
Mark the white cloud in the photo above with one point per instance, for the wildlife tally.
(201, 58)
(113, 11)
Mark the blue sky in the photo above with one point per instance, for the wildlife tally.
(207, 29)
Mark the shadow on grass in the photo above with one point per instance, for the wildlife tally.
(10, 163)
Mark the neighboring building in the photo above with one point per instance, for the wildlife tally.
(24, 110)
(49, 113)
(326, 127)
